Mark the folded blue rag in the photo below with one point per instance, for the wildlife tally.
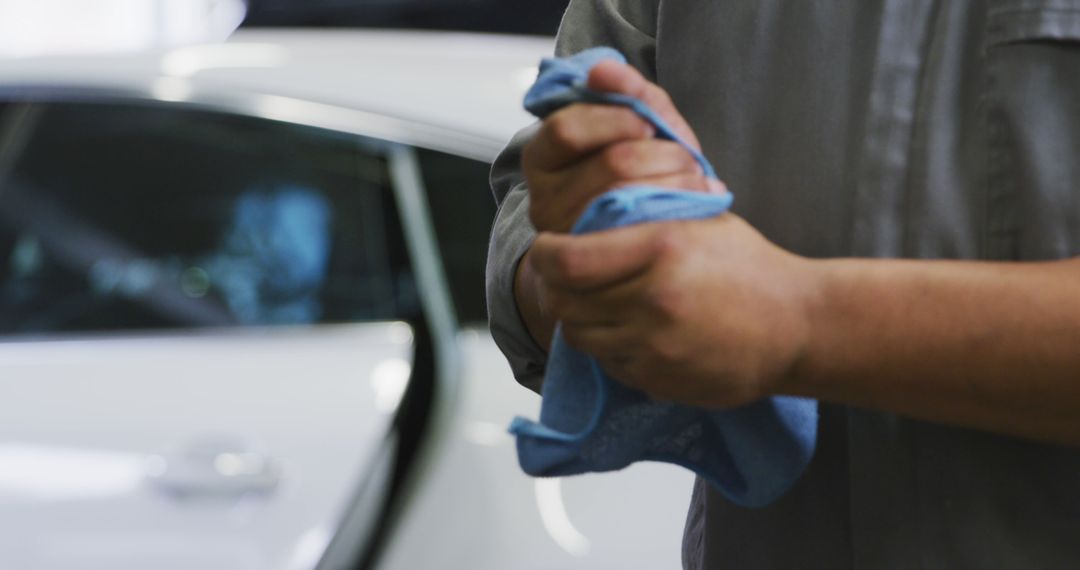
(591, 423)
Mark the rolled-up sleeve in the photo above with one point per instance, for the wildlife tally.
(511, 237)
(626, 25)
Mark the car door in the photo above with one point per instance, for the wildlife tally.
(208, 325)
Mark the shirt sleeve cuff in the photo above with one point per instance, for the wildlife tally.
(511, 237)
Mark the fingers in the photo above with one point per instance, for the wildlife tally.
(599, 307)
(578, 130)
(614, 77)
(653, 162)
(559, 198)
(685, 181)
(636, 162)
(584, 150)
(600, 259)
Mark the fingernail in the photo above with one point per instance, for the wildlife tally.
(716, 187)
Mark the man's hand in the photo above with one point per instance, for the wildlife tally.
(701, 312)
(583, 151)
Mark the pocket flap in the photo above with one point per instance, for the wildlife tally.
(1033, 20)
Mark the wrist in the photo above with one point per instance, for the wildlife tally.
(815, 286)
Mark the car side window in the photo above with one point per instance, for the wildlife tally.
(117, 217)
(462, 209)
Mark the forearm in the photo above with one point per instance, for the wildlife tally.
(993, 346)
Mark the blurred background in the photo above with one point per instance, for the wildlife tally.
(242, 314)
(48, 27)
(41, 27)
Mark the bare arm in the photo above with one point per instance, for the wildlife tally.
(994, 346)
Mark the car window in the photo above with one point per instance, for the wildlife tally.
(117, 217)
(462, 210)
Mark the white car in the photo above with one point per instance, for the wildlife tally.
(241, 309)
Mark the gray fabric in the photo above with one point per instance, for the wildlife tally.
(511, 236)
(885, 128)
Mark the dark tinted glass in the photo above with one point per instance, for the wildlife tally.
(120, 217)
(462, 209)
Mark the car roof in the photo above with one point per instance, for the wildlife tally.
(463, 91)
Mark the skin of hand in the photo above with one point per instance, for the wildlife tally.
(703, 312)
(582, 151)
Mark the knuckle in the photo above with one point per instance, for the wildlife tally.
(620, 160)
(562, 130)
(705, 184)
(697, 182)
(569, 263)
(681, 162)
(657, 94)
(688, 161)
(568, 129)
(669, 240)
(632, 125)
(667, 301)
(636, 84)
(681, 181)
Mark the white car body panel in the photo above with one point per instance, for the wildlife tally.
(86, 425)
(469, 84)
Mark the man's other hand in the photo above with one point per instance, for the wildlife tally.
(702, 312)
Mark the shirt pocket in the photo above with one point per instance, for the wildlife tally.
(1032, 104)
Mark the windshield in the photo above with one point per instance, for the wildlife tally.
(117, 217)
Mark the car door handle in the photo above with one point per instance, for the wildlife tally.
(215, 470)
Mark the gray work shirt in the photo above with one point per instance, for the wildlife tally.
(875, 128)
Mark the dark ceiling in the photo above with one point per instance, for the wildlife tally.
(538, 17)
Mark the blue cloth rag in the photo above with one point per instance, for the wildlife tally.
(591, 423)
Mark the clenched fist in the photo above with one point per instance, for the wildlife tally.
(704, 312)
(584, 150)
